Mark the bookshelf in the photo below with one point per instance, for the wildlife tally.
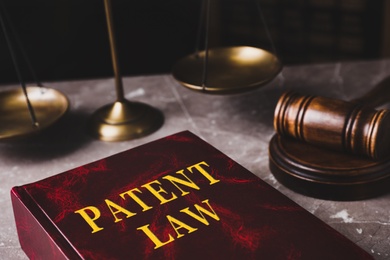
(308, 30)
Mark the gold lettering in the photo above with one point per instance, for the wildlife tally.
(175, 181)
(203, 172)
(154, 238)
(177, 224)
(119, 209)
(90, 220)
(157, 194)
(131, 194)
(201, 217)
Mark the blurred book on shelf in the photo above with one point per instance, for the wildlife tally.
(307, 30)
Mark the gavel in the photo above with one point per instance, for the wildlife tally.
(355, 126)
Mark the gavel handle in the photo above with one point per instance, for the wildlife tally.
(378, 96)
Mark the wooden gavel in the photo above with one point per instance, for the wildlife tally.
(355, 127)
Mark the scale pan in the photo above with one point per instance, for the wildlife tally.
(49, 106)
(229, 69)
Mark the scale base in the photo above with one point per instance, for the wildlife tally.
(326, 174)
(124, 120)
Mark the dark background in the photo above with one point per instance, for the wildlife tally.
(67, 39)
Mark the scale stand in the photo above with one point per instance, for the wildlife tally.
(122, 120)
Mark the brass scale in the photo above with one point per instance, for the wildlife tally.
(223, 70)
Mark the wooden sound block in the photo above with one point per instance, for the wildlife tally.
(326, 174)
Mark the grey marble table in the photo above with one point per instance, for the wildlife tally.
(240, 125)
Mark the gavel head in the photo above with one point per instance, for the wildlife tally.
(334, 124)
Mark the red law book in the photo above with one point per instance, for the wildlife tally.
(174, 198)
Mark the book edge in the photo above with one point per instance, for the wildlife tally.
(23, 200)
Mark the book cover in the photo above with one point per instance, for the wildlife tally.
(174, 198)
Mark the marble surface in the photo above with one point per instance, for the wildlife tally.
(240, 125)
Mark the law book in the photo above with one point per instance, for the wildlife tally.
(174, 198)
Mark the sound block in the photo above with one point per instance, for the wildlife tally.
(326, 174)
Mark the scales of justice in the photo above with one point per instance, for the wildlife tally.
(209, 71)
(219, 71)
